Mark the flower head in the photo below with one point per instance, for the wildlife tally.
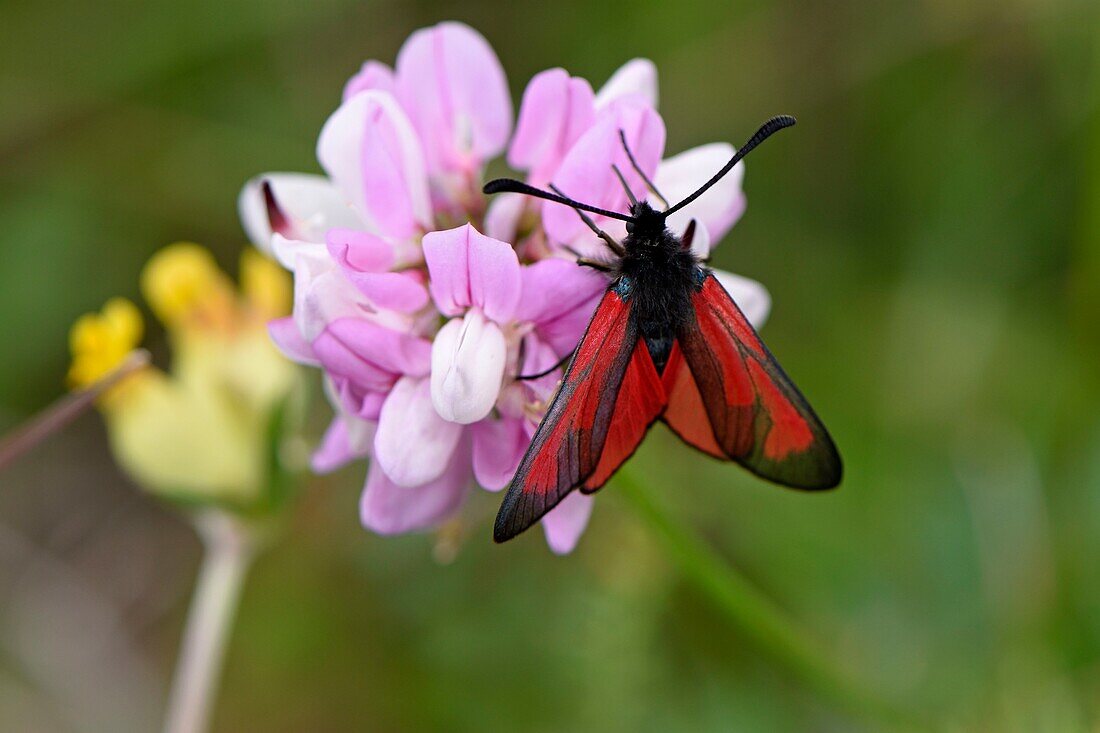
(100, 342)
(201, 432)
(428, 307)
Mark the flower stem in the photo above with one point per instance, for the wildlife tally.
(228, 552)
(54, 418)
(760, 618)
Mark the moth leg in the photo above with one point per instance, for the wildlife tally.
(611, 243)
(594, 264)
(588, 261)
(562, 362)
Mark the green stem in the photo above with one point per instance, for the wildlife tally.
(226, 558)
(759, 618)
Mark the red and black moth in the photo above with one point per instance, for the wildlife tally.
(665, 343)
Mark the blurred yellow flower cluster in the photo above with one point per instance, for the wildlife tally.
(207, 431)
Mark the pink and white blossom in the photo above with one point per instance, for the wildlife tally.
(422, 302)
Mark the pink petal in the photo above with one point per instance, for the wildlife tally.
(466, 269)
(358, 349)
(354, 400)
(341, 445)
(750, 296)
(373, 75)
(455, 91)
(538, 357)
(556, 110)
(468, 357)
(565, 523)
(284, 332)
(721, 206)
(586, 174)
(516, 396)
(389, 508)
(360, 251)
(365, 259)
(321, 292)
(341, 361)
(371, 407)
(414, 445)
(303, 207)
(559, 297)
(637, 77)
(498, 448)
(370, 150)
(502, 219)
(397, 291)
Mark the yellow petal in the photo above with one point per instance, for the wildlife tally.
(100, 342)
(179, 441)
(185, 288)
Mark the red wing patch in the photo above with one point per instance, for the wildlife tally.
(640, 401)
(756, 416)
(582, 419)
(686, 415)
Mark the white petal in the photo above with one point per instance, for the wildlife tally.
(700, 242)
(413, 444)
(468, 358)
(311, 204)
(287, 251)
(635, 77)
(682, 174)
(750, 296)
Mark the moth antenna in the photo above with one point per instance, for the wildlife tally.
(638, 169)
(510, 185)
(626, 187)
(772, 126)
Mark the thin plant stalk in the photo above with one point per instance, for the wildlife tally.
(58, 415)
(227, 556)
(761, 619)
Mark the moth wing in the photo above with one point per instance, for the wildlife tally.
(640, 401)
(686, 415)
(720, 370)
(587, 414)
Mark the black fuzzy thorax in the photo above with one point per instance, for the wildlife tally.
(658, 275)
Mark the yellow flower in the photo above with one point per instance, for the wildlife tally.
(185, 288)
(203, 431)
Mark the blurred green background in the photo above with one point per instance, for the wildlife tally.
(930, 233)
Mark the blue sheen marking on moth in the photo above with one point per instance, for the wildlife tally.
(699, 277)
(623, 287)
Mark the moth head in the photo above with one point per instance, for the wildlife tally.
(645, 221)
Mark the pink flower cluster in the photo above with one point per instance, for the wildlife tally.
(420, 321)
